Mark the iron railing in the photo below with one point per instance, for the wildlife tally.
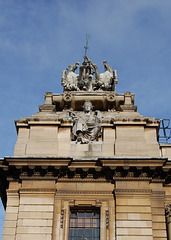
(165, 131)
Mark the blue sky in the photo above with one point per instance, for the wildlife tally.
(40, 38)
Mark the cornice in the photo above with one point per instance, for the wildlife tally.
(158, 194)
(37, 190)
(132, 179)
(13, 191)
(110, 169)
(98, 170)
(134, 191)
(66, 192)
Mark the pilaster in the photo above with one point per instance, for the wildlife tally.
(12, 209)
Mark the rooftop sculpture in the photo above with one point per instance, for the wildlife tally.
(89, 78)
(87, 124)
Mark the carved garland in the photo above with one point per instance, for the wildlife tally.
(62, 218)
(107, 218)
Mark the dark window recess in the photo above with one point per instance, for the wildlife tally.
(84, 224)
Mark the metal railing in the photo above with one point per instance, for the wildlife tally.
(165, 131)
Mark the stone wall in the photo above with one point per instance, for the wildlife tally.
(39, 209)
(117, 140)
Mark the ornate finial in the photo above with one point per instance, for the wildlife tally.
(86, 46)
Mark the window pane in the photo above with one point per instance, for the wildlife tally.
(88, 232)
(73, 215)
(80, 223)
(81, 214)
(72, 232)
(81, 232)
(87, 222)
(88, 214)
(96, 232)
(95, 223)
(73, 222)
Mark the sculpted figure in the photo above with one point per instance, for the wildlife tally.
(107, 67)
(87, 125)
(97, 76)
(85, 75)
(72, 68)
(107, 78)
(70, 78)
(96, 83)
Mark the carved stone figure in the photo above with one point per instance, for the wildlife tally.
(70, 79)
(87, 125)
(96, 83)
(107, 78)
(85, 80)
(72, 68)
(85, 75)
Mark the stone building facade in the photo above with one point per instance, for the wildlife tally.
(87, 166)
